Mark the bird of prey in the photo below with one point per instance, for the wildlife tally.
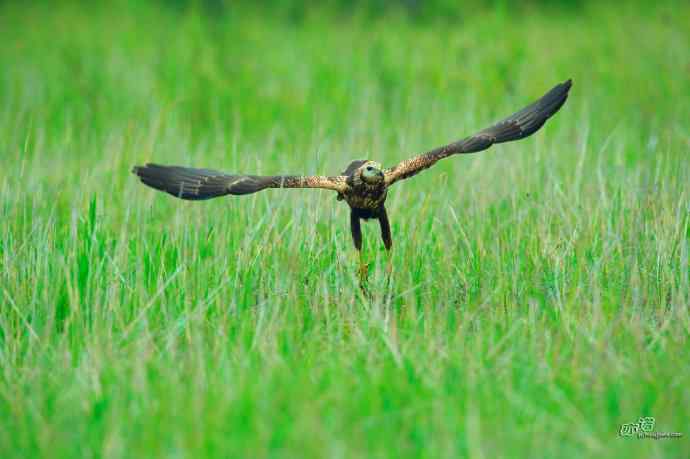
(364, 183)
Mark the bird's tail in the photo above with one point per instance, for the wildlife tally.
(184, 182)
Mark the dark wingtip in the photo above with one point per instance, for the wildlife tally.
(138, 170)
(565, 92)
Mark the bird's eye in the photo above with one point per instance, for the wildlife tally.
(369, 168)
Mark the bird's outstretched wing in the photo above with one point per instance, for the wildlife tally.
(517, 126)
(198, 184)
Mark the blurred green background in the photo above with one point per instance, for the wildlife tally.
(540, 291)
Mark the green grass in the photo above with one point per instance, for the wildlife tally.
(540, 291)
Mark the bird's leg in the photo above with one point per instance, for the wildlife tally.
(363, 271)
(387, 242)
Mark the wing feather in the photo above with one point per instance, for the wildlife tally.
(517, 126)
(199, 184)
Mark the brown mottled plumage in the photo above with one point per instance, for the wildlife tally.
(363, 184)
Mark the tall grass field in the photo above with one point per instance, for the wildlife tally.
(540, 290)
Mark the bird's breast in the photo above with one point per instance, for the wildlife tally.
(367, 197)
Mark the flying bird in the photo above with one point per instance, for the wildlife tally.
(364, 183)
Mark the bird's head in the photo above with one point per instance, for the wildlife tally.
(371, 172)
